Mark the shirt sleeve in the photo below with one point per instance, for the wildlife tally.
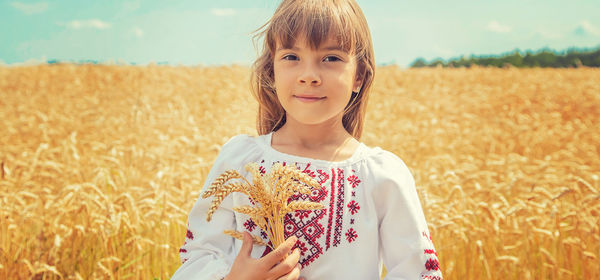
(208, 253)
(406, 246)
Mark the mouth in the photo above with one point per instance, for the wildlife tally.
(309, 98)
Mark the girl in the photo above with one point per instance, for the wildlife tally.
(312, 82)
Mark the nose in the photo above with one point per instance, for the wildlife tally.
(310, 75)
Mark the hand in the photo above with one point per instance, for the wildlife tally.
(273, 266)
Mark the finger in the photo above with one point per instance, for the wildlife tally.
(287, 265)
(280, 252)
(293, 275)
(246, 249)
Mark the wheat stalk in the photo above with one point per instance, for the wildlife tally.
(270, 194)
(238, 235)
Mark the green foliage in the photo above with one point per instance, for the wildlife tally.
(542, 58)
(419, 62)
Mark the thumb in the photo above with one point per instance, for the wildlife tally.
(246, 244)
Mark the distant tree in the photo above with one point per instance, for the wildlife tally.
(546, 59)
(595, 61)
(462, 62)
(529, 60)
(515, 59)
(418, 63)
(542, 58)
(438, 62)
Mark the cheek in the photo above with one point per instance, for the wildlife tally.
(280, 77)
(345, 83)
(281, 87)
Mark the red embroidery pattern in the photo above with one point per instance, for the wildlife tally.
(262, 169)
(302, 214)
(323, 176)
(430, 251)
(427, 236)
(302, 246)
(354, 181)
(432, 264)
(307, 171)
(339, 211)
(353, 205)
(308, 234)
(351, 235)
(315, 235)
(306, 225)
(250, 225)
(188, 235)
(264, 236)
(331, 203)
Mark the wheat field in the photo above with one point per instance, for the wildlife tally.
(99, 165)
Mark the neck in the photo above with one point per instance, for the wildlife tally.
(330, 132)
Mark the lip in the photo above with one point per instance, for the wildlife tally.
(309, 98)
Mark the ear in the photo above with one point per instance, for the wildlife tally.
(358, 83)
(359, 78)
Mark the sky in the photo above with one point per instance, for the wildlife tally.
(202, 32)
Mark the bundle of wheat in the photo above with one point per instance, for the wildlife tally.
(270, 195)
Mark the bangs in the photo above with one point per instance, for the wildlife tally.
(316, 21)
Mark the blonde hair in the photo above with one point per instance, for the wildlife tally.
(315, 20)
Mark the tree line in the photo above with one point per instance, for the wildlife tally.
(542, 58)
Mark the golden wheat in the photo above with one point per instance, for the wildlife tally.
(107, 161)
(216, 185)
(238, 235)
(271, 197)
(223, 192)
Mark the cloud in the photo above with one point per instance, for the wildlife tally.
(138, 32)
(586, 28)
(497, 27)
(30, 8)
(82, 24)
(223, 12)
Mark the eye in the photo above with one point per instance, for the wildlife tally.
(332, 58)
(289, 57)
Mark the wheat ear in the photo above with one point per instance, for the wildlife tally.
(240, 236)
(303, 206)
(220, 181)
(291, 180)
(301, 176)
(221, 194)
(249, 210)
(257, 188)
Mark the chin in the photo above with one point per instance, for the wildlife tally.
(311, 120)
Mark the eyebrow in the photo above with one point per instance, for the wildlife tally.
(333, 48)
(328, 48)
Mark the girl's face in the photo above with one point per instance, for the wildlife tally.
(314, 85)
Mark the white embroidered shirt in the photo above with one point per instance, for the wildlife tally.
(372, 216)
